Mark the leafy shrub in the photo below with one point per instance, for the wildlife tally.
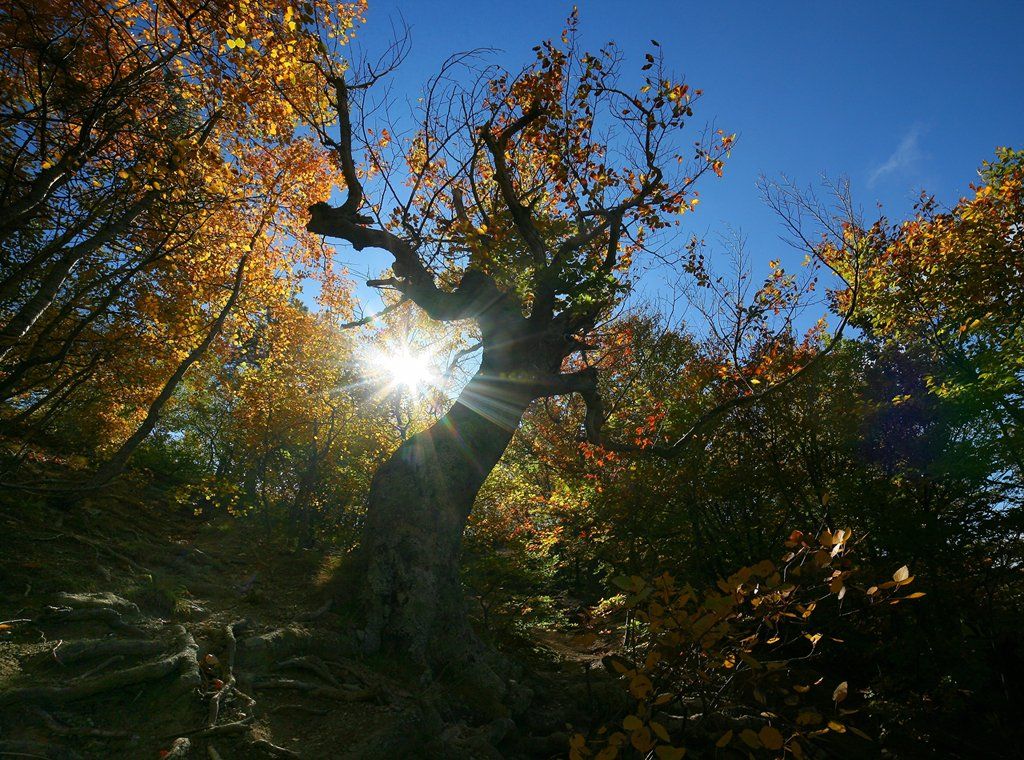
(747, 666)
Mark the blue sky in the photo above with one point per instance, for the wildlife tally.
(897, 95)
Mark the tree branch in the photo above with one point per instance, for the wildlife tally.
(497, 145)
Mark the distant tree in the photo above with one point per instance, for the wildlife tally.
(948, 285)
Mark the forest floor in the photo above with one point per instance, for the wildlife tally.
(123, 618)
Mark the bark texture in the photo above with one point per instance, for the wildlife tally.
(419, 502)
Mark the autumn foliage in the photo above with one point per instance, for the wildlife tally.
(171, 307)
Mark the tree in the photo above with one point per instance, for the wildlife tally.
(531, 195)
(948, 285)
(152, 184)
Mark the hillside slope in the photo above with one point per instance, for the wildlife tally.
(130, 628)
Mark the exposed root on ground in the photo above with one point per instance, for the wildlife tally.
(182, 660)
(272, 749)
(229, 683)
(61, 730)
(83, 650)
(310, 617)
(104, 674)
(316, 690)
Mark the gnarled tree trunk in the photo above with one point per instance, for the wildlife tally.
(419, 502)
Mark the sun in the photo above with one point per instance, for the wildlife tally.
(405, 368)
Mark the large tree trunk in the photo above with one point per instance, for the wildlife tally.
(418, 505)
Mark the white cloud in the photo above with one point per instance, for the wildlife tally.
(906, 155)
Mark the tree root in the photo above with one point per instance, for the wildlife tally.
(183, 661)
(11, 748)
(273, 750)
(61, 730)
(314, 665)
(16, 620)
(229, 682)
(320, 611)
(316, 690)
(237, 727)
(265, 650)
(91, 649)
(103, 665)
(98, 600)
(107, 615)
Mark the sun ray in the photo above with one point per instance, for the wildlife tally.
(401, 368)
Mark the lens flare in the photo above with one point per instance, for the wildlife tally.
(405, 368)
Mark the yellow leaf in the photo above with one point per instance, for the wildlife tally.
(901, 575)
(915, 595)
(836, 726)
(724, 739)
(632, 723)
(670, 753)
(660, 731)
(808, 718)
(641, 740)
(750, 738)
(640, 687)
(771, 738)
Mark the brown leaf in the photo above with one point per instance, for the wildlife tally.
(841, 691)
(771, 738)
